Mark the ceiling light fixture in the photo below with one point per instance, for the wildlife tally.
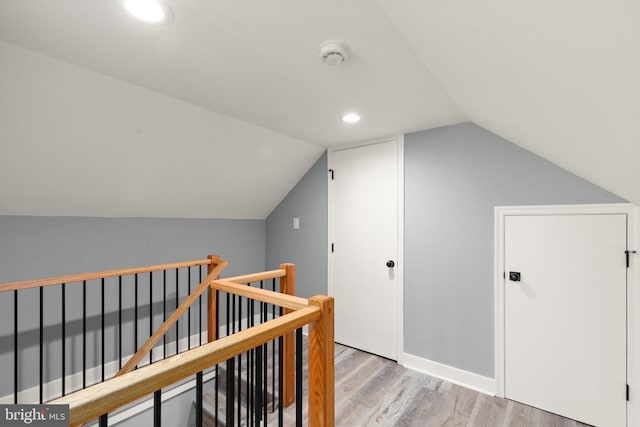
(150, 10)
(350, 118)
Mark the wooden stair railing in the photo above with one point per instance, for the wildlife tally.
(37, 283)
(87, 280)
(215, 265)
(214, 272)
(107, 396)
(286, 273)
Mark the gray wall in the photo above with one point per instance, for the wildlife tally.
(454, 176)
(306, 247)
(33, 247)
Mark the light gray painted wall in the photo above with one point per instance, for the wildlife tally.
(306, 247)
(33, 247)
(454, 176)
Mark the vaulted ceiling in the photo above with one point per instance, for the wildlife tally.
(219, 113)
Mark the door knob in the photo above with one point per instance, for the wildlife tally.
(391, 264)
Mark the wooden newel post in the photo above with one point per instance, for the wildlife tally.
(212, 303)
(288, 286)
(321, 368)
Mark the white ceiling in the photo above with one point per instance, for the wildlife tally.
(256, 61)
(558, 78)
(561, 78)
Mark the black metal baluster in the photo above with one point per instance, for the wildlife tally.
(119, 322)
(258, 398)
(234, 326)
(177, 320)
(64, 336)
(189, 310)
(104, 420)
(273, 356)
(265, 386)
(230, 391)
(229, 371)
(200, 308)
(135, 316)
(216, 395)
(239, 391)
(102, 324)
(164, 311)
(84, 334)
(41, 341)
(157, 409)
(280, 380)
(239, 361)
(263, 349)
(252, 357)
(233, 314)
(228, 314)
(199, 399)
(299, 377)
(151, 313)
(217, 333)
(249, 372)
(15, 347)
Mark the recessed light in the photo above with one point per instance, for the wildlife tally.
(350, 118)
(150, 10)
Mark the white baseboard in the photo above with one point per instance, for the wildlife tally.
(448, 373)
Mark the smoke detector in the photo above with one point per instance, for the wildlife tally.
(334, 52)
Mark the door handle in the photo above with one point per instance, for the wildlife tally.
(391, 264)
(514, 276)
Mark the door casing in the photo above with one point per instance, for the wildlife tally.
(633, 294)
(399, 269)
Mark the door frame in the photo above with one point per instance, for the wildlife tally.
(633, 293)
(399, 269)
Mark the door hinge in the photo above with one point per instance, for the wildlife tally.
(627, 253)
(627, 392)
(332, 248)
(331, 172)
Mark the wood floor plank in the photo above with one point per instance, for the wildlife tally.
(373, 391)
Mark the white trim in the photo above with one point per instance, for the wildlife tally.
(350, 145)
(400, 249)
(453, 375)
(633, 321)
(633, 294)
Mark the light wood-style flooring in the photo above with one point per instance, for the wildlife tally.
(373, 391)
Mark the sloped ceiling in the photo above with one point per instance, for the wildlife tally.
(232, 94)
(558, 78)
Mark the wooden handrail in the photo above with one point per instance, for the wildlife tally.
(281, 300)
(171, 320)
(256, 277)
(90, 403)
(36, 283)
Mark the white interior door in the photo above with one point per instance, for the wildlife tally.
(565, 319)
(365, 239)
